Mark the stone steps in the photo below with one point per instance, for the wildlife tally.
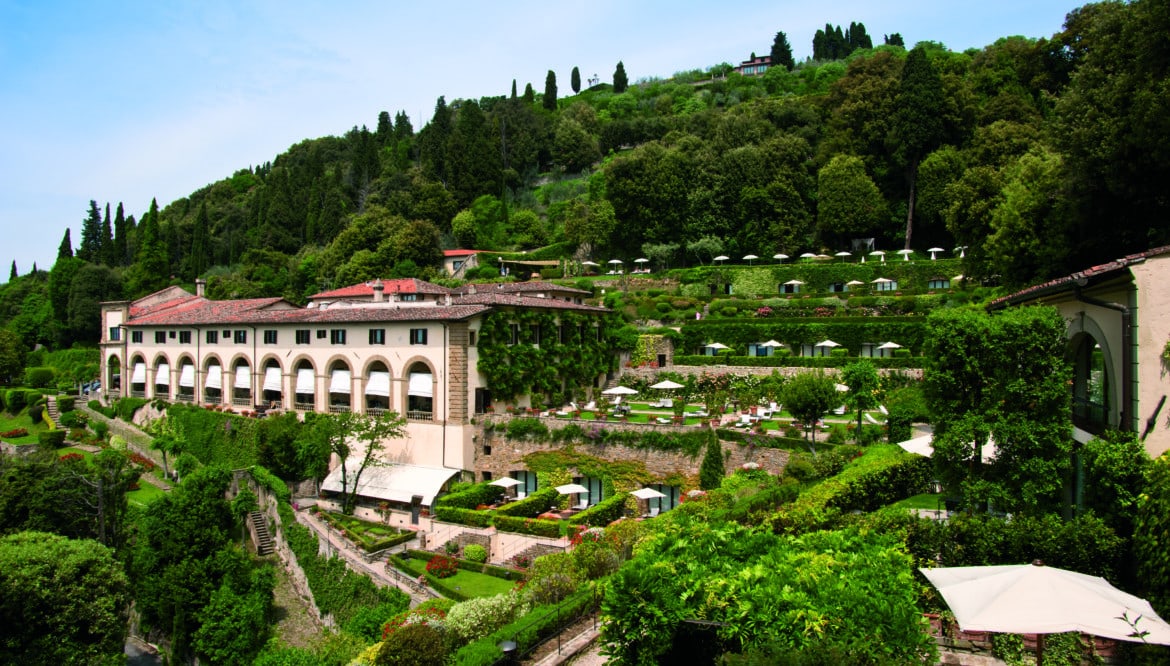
(264, 545)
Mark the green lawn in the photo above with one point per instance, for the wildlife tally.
(145, 494)
(470, 583)
(927, 501)
(21, 420)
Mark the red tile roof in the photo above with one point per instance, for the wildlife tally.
(398, 286)
(461, 253)
(197, 310)
(1095, 273)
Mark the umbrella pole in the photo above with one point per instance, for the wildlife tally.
(1040, 639)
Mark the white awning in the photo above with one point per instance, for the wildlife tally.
(187, 376)
(306, 382)
(214, 377)
(139, 374)
(272, 379)
(421, 385)
(398, 483)
(339, 382)
(243, 377)
(379, 384)
(162, 374)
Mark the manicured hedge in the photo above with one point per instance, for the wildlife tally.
(476, 495)
(125, 408)
(533, 526)
(454, 514)
(885, 486)
(531, 507)
(540, 623)
(796, 361)
(272, 482)
(52, 439)
(478, 567)
(602, 513)
(66, 403)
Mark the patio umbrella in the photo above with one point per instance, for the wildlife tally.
(882, 280)
(619, 390)
(796, 282)
(889, 345)
(590, 263)
(506, 482)
(720, 258)
(843, 254)
(962, 251)
(771, 343)
(1038, 599)
(878, 253)
(666, 385)
(780, 257)
(641, 260)
(841, 388)
(647, 493)
(717, 345)
(923, 445)
(614, 261)
(854, 283)
(935, 250)
(906, 254)
(808, 255)
(749, 257)
(827, 343)
(572, 489)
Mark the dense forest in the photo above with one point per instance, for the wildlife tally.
(1039, 156)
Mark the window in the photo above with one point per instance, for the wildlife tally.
(136, 336)
(837, 287)
(115, 333)
(269, 337)
(227, 334)
(938, 283)
(471, 338)
(337, 336)
(171, 334)
(888, 285)
(184, 337)
(536, 335)
(240, 337)
(514, 337)
(160, 337)
(302, 336)
(212, 337)
(561, 333)
(408, 298)
(418, 336)
(598, 330)
(320, 334)
(377, 336)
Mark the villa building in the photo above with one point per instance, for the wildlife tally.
(403, 345)
(1118, 318)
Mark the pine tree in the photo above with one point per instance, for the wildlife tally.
(711, 470)
(91, 234)
(150, 271)
(620, 81)
(513, 98)
(529, 94)
(65, 249)
(894, 39)
(575, 80)
(385, 129)
(917, 126)
(550, 91)
(781, 55)
(107, 243)
(13, 274)
(200, 243)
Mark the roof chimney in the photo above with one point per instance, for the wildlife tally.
(378, 287)
(200, 286)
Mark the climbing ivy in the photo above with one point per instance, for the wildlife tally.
(552, 366)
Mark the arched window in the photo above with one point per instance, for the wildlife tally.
(420, 396)
(273, 387)
(340, 387)
(377, 388)
(1092, 394)
(114, 377)
(305, 388)
(186, 381)
(213, 383)
(162, 379)
(242, 387)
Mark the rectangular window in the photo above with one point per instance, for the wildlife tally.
(184, 337)
(240, 337)
(418, 336)
(320, 334)
(536, 335)
(160, 337)
(561, 333)
(115, 334)
(471, 338)
(136, 336)
(212, 337)
(269, 337)
(302, 336)
(377, 336)
(514, 338)
(171, 334)
(337, 336)
(226, 335)
(408, 298)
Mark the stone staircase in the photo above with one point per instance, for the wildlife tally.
(52, 409)
(467, 538)
(264, 545)
(529, 554)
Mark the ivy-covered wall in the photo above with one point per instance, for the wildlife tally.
(850, 332)
(552, 366)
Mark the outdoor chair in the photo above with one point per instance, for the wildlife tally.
(590, 406)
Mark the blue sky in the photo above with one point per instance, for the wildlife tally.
(132, 100)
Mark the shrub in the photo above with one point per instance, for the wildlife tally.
(39, 377)
(442, 566)
(475, 618)
(14, 433)
(74, 419)
(413, 645)
(66, 403)
(94, 405)
(51, 439)
(14, 400)
(475, 553)
(117, 442)
(126, 407)
(602, 513)
(101, 429)
(35, 413)
(471, 497)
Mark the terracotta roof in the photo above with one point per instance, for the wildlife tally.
(461, 253)
(198, 310)
(1094, 273)
(522, 287)
(398, 286)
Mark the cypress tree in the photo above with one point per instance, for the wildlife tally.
(200, 244)
(150, 270)
(121, 253)
(529, 94)
(620, 81)
(917, 126)
(513, 90)
(550, 91)
(91, 232)
(711, 470)
(894, 39)
(13, 275)
(575, 80)
(782, 52)
(107, 239)
(65, 249)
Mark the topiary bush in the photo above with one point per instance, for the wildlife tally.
(66, 403)
(39, 377)
(51, 439)
(413, 645)
(475, 553)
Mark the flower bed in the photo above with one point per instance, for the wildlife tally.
(14, 433)
(370, 537)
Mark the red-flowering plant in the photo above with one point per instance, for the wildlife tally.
(18, 432)
(442, 566)
(68, 457)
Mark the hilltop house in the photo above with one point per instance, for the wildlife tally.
(1118, 318)
(754, 66)
(403, 345)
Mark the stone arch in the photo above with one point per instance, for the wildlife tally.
(339, 375)
(187, 383)
(243, 383)
(162, 377)
(113, 379)
(138, 376)
(376, 385)
(416, 404)
(213, 379)
(1096, 382)
(302, 399)
(272, 380)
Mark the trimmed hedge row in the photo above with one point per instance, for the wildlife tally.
(51, 439)
(531, 507)
(602, 513)
(533, 526)
(455, 514)
(885, 486)
(796, 361)
(540, 623)
(480, 493)
(478, 567)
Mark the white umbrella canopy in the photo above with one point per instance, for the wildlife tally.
(506, 482)
(796, 282)
(843, 254)
(666, 385)
(717, 345)
(808, 255)
(878, 253)
(906, 254)
(647, 493)
(933, 251)
(641, 260)
(889, 345)
(590, 263)
(854, 283)
(923, 445)
(841, 388)
(619, 390)
(771, 343)
(827, 343)
(1038, 599)
(749, 257)
(779, 257)
(572, 489)
(882, 280)
(721, 258)
(614, 261)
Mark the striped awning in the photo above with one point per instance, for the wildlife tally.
(214, 377)
(379, 384)
(339, 381)
(272, 379)
(187, 376)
